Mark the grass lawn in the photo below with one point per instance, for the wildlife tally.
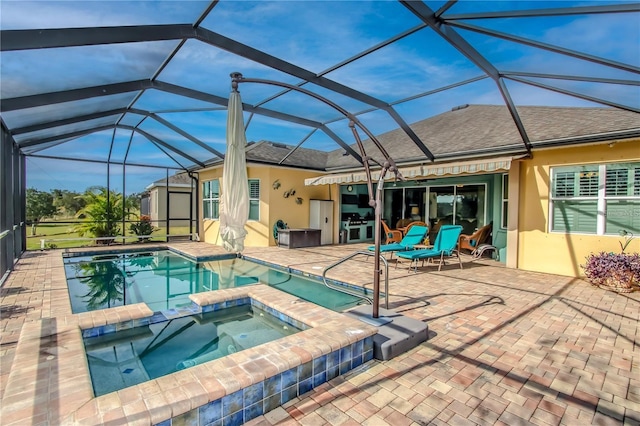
(61, 235)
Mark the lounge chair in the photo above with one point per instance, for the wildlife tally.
(445, 246)
(414, 236)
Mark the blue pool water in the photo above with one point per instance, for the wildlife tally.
(126, 358)
(164, 280)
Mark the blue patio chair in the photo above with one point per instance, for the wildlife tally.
(415, 235)
(445, 245)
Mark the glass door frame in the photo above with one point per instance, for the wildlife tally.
(432, 221)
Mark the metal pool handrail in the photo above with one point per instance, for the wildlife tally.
(353, 293)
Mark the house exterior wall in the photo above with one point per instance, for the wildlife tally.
(561, 253)
(157, 203)
(178, 208)
(273, 205)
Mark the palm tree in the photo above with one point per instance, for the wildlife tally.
(103, 213)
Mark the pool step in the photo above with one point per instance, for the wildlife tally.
(397, 334)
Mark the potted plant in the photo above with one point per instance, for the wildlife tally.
(143, 228)
(618, 272)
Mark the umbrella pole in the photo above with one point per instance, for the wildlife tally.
(375, 200)
(377, 242)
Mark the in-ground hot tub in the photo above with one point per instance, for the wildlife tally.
(241, 385)
(119, 359)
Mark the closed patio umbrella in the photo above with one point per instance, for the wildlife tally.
(234, 206)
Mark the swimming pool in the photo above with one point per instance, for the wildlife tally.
(164, 280)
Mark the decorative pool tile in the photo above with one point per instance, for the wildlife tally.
(273, 385)
(345, 366)
(271, 403)
(345, 353)
(125, 325)
(289, 378)
(320, 364)
(210, 412)
(274, 391)
(305, 371)
(333, 372)
(254, 410)
(333, 359)
(305, 386)
(319, 379)
(289, 393)
(232, 403)
(253, 393)
(235, 419)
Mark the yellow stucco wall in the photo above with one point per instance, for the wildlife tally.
(273, 205)
(560, 253)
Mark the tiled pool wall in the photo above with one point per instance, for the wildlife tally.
(261, 396)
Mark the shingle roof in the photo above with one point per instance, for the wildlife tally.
(465, 131)
(272, 153)
(176, 179)
(476, 128)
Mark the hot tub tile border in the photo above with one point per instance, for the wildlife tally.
(242, 406)
(293, 382)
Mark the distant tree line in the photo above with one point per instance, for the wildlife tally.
(100, 210)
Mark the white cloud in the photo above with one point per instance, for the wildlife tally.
(18, 14)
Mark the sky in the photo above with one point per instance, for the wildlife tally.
(314, 36)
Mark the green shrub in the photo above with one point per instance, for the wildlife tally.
(143, 228)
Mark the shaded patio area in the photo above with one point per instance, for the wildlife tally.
(506, 346)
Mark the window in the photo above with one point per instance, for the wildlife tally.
(254, 199)
(505, 201)
(622, 198)
(211, 199)
(596, 199)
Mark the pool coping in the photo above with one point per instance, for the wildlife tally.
(55, 348)
(144, 248)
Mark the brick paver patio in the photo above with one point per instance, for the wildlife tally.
(506, 346)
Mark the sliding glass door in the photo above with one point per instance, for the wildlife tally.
(408, 204)
(456, 205)
(436, 205)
